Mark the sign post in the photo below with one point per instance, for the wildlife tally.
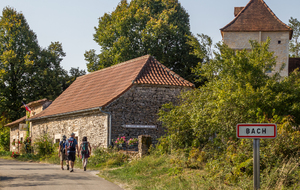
(256, 132)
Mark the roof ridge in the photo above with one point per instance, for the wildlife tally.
(117, 65)
(142, 69)
(235, 18)
(270, 10)
(173, 73)
(155, 61)
(266, 6)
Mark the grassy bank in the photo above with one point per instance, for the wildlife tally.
(174, 171)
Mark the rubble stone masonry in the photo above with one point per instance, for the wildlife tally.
(140, 106)
(137, 106)
(91, 124)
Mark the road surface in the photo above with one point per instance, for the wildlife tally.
(15, 175)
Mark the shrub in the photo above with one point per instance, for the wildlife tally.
(43, 145)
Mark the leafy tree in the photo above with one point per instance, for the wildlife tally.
(4, 135)
(27, 71)
(18, 52)
(160, 28)
(295, 43)
(238, 90)
(74, 73)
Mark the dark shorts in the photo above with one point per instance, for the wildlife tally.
(71, 156)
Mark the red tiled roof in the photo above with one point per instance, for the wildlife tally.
(294, 63)
(256, 16)
(22, 119)
(100, 88)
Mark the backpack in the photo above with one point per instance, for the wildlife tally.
(71, 144)
(62, 146)
(84, 148)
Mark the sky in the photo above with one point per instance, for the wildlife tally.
(72, 22)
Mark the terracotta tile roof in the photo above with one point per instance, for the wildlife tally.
(21, 120)
(256, 16)
(100, 88)
(294, 63)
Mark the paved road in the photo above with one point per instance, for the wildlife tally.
(16, 175)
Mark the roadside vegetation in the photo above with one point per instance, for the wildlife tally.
(200, 149)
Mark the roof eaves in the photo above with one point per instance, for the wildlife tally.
(62, 114)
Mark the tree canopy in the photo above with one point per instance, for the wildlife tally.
(160, 28)
(238, 90)
(27, 71)
(295, 42)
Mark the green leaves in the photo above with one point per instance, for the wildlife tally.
(238, 90)
(27, 71)
(159, 28)
(295, 43)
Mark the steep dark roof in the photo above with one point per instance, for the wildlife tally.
(256, 16)
(100, 88)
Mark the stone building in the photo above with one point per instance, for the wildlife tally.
(256, 21)
(121, 100)
(17, 133)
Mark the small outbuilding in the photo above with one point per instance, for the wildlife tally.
(121, 100)
(18, 128)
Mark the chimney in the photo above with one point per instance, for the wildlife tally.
(237, 10)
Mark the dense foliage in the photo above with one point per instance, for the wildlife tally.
(160, 28)
(238, 90)
(295, 42)
(27, 71)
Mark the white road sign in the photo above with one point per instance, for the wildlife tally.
(256, 131)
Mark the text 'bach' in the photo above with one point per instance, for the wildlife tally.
(256, 131)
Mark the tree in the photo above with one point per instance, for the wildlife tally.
(160, 28)
(238, 90)
(27, 71)
(295, 42)
(74, 73)
(18, 52)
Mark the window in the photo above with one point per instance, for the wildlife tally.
(279, 41)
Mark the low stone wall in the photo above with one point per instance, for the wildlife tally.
(93, 125)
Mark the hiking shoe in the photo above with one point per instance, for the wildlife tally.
(67, 167)
(62, 168)
(84, 169)
(71, 170)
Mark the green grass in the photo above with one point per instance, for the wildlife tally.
(154, 172)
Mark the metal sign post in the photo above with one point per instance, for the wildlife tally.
(256, 165)
(256, 132)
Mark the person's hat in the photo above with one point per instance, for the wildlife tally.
(64, 137)
(72, 134)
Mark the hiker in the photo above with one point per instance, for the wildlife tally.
(62, 154)
(70, 148)
(85, 149)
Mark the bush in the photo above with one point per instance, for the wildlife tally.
(107, 158)
(44, 146)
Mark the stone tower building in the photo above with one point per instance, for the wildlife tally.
(256, 21)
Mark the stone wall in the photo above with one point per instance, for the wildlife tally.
(18, 135)
(91, 124)
(140, 106)
(240, 40)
